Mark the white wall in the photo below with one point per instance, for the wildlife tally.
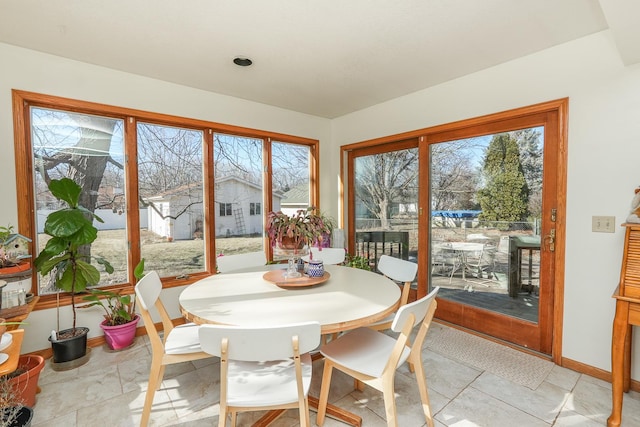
(36, 72)
(604, 145)
(603, 169)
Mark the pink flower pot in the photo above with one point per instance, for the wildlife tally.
(120, 336)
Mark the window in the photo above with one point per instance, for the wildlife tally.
(155, 180)
(90, 149)
(170, 198)
(225, 209)
(255, 209)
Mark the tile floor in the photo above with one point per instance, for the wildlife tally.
(109, 391)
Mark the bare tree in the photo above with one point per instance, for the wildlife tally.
(454, 178)
(384, 179)
(76, 146)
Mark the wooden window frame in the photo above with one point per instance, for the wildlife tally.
(24, 100)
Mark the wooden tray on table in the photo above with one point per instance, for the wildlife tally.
(278, 278)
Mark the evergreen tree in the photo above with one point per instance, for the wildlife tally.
(505, 195)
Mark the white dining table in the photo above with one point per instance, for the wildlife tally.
(350, 298)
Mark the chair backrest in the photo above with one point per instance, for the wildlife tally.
(477, 237)
(406, 318)
(489, 253)
(227, 263)
(327, 255)
(148, 295)
(503, 245)
(260, 343)
(417, 310)
(399, 270)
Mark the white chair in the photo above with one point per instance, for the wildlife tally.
(262, 367)
(482, 264)
(401, 271)
(328, 256)
(445, 260)
(372, 357)
(228, 263)
(180, 343)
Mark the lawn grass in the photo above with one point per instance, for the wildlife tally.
(167, 258)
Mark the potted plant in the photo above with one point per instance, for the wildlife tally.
(25, 378)
(13, 411)
(67, 259)
(357, 261)
(305, 227)
(120, 319)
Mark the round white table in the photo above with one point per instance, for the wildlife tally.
(349, 299)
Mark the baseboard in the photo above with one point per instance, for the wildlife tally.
(99, 341)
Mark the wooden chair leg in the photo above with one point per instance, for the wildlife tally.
(154, 383)
(424, 394)
(388, 395)
(324, 393)
(160, 376)
(305, 420)
(222, 418)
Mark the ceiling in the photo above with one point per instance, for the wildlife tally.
(322, 57)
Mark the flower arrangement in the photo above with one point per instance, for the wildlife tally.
(305, 227)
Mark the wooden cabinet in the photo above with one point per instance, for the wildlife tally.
(630, 271)
(627, 296)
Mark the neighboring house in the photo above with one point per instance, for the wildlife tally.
(295, 199)
(239, 209)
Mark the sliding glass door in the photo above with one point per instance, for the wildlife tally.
(385, 207)
(479, 205)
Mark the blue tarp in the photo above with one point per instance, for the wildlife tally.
(456, 214)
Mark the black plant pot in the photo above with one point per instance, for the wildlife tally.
(68, 349)
(25, 415)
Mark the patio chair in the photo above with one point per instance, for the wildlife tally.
(262, 368)
(180, 343)
(400, 271)
(229, 263)
(445, 261)
(482, 264)
(372, 357)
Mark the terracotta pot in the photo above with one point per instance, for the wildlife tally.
(27, 382)
(289, 243)
(14, 269)
(120, 336)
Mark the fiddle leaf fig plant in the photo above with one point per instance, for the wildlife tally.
(66, 256)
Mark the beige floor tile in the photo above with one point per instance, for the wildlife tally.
(475, 408)
(110, 389)
(545, 402)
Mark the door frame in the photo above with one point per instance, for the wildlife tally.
(553, 116)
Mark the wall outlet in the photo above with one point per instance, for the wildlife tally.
(603, 224)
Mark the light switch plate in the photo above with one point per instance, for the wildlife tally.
(603, 224)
